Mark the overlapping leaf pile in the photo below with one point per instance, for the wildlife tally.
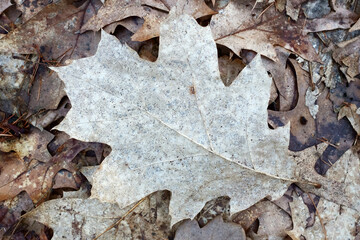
(196, 124)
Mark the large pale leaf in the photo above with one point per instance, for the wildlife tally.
(173, 125)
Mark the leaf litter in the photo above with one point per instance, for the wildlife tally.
(288, 87)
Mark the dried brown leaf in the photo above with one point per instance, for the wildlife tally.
(55, 31)
(4, 4)
(348, 54)
(239, 27)
(341, 19)
(153, 17)
(352, 113)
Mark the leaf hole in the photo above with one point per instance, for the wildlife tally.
(303, 120)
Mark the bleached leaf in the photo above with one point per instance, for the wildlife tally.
(216, 229)
(340, 185)
(173, 125)
(75, 218)
(339, 222)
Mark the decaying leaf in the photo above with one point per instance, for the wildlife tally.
(14, 84)
(341, 19)
(310, 101)
(307, 131)
(352, 113)
(152, 11)
(34, 170)
(29, 147)
(4, 4)
(348, 54)
(30, 8)
(216, 229)
(11, 211)
(239, 27)
(172, 124)
(54, 31)
(75, 218)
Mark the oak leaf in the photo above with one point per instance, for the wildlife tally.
(238, 27)
(172, 124)
(154, 12)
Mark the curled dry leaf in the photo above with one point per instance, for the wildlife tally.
(239, 27)
(87, 218)
(172, 124)
(216, 229)
(153, 12)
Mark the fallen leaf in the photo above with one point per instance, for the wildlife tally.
(355, 27)
(30, 8)
(229, 69)
(54, 31)
(4, 4)
(352, 114)
(311, 97)
(339, 221)
(216, 207)
(306, 131)
(348, 54)
(11, 211)
(153, 17)
(293, 8)
(87, 218)
(173, 125)
(340, 185)
(35, 169)
(273, 221)
(341, 19)
(239, 27)
(14, 84)
(29, 147)
(216, 229)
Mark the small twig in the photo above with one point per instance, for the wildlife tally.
(121, 219)
(312, 85)
(4, 29)
(327, 141)
(317, 213)
(266, 9)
